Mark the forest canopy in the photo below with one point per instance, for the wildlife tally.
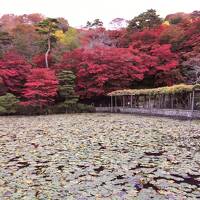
(47, 64)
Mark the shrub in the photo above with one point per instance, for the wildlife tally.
(75, 108)
(8, 104)
(85, 108)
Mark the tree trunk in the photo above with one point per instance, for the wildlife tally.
(48, 51)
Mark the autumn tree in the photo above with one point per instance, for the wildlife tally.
(26, 40)
(40, 88)
(11, 21)
(94, 38)
(191, 70)
(3, 88)
(118, 23)
(101, 70)
(119, 38)
(13, 71)
(173, 35)
(158, 58)
(39, 60)
(69, 38)
(5, 42)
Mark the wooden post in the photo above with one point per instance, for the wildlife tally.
(160, 101)
(172, 101)
(135, 101)
(131, 101)
(190, 100)
(123, 101)
(149, 102)
(115, 101)
(164, 101)
(193, 93)
(111, 104)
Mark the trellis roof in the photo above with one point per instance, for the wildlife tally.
(175, 89)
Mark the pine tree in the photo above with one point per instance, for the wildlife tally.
(66, 89)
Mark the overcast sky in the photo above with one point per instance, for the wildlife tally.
(78, 12)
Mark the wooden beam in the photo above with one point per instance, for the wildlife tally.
(172, 101)
(193, 95)
(149, 104)
(190, 101)
(115, 101)
(111, 103)
(131, 101)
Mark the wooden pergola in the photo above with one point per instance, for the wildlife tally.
(174, 97)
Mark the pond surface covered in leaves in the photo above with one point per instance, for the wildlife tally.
(99, 156)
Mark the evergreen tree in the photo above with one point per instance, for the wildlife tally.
(66, 89)
(8, 104)
(148, 19)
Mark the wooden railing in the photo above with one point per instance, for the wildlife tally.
(160, 112)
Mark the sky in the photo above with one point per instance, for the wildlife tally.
(78, 12)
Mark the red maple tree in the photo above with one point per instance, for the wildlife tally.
(13, 72)
(40, 88)
(101, 70)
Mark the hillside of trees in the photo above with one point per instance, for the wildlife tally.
(47, 66)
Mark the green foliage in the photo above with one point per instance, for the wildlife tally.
(5, 42)
(173, 35)
(148, 19)
(176, 20)
(48, 27)
(175, 89)
(75, 108)
(96, 24)
(66, 88)
(85, 108)
(69, 39)
(25, 40)
(8, 104)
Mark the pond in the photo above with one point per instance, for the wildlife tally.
(99, 156)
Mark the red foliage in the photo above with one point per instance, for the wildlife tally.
(13, 71)
(155, 57)
(40, 88)
(102, 70)
(119, 38)
(39, 60)
(191, 46)
(3, 88)
(94, 38)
